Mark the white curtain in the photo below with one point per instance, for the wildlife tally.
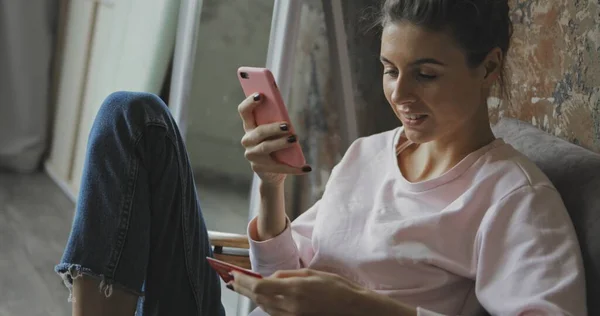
(26, 37)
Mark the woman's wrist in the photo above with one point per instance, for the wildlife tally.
(271, 217)
(271, 186)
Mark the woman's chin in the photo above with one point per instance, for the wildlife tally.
(417, 136)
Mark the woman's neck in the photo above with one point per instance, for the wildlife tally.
(421, 162)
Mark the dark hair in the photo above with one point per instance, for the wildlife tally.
(478, 26)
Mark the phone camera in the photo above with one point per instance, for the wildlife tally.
(244, 75)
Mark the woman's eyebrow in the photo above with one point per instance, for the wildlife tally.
(417, 62)
(421, 61)
(385, 60)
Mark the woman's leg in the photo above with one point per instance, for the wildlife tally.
(91, 302)
(138, 229)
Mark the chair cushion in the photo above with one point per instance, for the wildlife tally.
(575, 172)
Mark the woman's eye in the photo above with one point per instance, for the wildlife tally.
(425, 77)
(391, 72)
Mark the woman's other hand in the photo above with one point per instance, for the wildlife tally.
(311, 292)
(299, 292)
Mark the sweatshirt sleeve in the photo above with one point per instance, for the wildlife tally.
(529, 260)
(292, 249)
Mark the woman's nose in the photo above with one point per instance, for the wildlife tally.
(403, 91)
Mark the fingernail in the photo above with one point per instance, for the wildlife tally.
(292, 139)
(229, 286)
(231, 275)
(284, 127)
(256, 97)
(306, 169)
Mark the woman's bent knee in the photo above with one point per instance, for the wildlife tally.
(133, 105)
(124, 114)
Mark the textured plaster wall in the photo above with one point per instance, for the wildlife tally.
(555, 69)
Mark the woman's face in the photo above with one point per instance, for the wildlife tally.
(427, 82)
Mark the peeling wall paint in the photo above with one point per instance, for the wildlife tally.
(554, 69)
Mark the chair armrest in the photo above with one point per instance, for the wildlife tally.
(231, 248)
(220, 239)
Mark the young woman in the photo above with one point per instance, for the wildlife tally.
(432, 218)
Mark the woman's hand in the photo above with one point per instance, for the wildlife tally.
(299, 292)
(311, 292)
(261, 141)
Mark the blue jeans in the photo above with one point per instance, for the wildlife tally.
(138, 224)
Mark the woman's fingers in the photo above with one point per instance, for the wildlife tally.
(264, 132)
(265, 163)
(242, 290)
(279, 168)
(261, 141)
(269, 146)
(253, 287)
(274, 296)
(260, 156)
(248, 286)
(246, 110)
(282, 274)
(272, 304)
(276, 306)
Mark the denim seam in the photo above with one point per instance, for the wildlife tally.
(125, 215)
(186, 242)
(126, 207)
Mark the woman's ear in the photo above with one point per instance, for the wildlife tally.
(493, 66)
(489, 69)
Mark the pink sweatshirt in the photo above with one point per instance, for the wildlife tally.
(492, 230)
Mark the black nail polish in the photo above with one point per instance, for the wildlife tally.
(229, 286)
(284, 127)
(306, 169)
(292, 139)
(256, 97)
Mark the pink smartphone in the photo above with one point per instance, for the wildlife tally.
(271, 110)
(223, 269)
